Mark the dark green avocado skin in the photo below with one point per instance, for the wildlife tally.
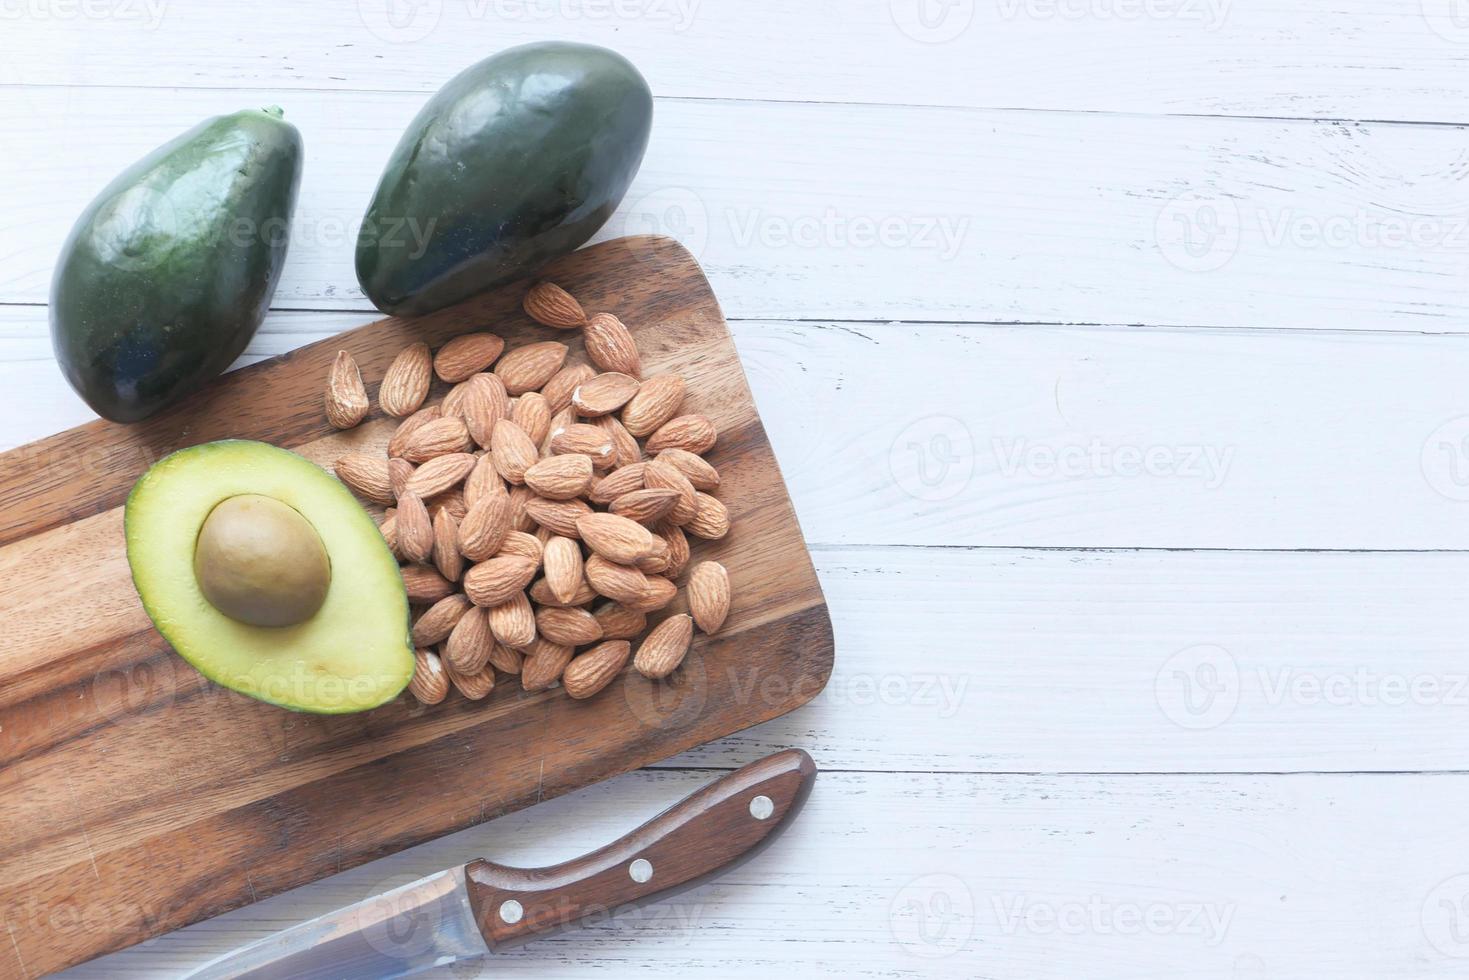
(168, 273)
(516, 161)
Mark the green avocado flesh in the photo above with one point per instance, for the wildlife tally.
(353, 653)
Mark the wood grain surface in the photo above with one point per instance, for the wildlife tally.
(136, 798)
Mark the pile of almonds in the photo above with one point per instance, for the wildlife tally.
(535, 533)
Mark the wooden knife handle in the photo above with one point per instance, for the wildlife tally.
(712, 831)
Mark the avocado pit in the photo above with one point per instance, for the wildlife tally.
(258, 561)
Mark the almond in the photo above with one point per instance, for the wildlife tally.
(656, 561)
(476, 686)
(346, 396)
(389, 529)
(656, 593)
(625, 449)
(560, 422)
(595, 669)
(470, 645)
(483, 530)
(656, 401)
(513, 451)
(447, 558)
(646, 506)
(665, 647)
(415, 530)
(696, 469)
(400, 471)
(541, 594)
(708, 592)
(544, 662)
(623, 583)
(505, 659)
(438, 438)
(451, 501)
(513, 622)
(435, 625)
(610, 345)
(694, 433)
(533, 414)
(562, 558)
(588, 440)
(405, 386)
(424, 585)
(440, 474)
(678, 548)
(619, 622)
(615, 538)
(483, 481)
(711, 520)
(557, 391)
(498, 580)
(603, 394)
(560, 477)
(524, 545)
(484, 404)
(550, 305)
(410, 425)
(660, 475)
(528, 368)
(520, 501)
(623, 480)
(430, 683)
(464, 357)
(558, 516)
(569, 625)
(367, 475)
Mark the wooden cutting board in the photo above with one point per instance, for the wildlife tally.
(136, 798)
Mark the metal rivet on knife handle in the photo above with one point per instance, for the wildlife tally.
(511, 911)
(640, 870)
(761, 807)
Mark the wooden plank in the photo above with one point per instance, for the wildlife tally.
(876, 213)
(1051, 877)
(1028, 435)
(129, 785)
(1162, 56)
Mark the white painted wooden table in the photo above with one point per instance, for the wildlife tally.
(1117, 354)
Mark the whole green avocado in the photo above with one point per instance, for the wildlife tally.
(168, 273)
(516, 161)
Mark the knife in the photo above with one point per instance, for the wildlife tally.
(480, 907)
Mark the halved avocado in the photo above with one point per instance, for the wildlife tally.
(228, 535)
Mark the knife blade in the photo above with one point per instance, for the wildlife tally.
(468, 911)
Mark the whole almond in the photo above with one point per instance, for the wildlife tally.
(588, 440)
(524, 545)
(476, 686)
(400, 471)
(623, 480)
(533, 414)
(453, 401)
(451, 501)
(389, 529)
(693, 433)
(610, 345)
(447, 557)
(661, 475)
(367, 475)
(696, 469)
(709, 594)
(568, 624)
(656, 561)
(405, 386)
(520, 501)
(528, 368)
(656, 593)
(498, 580)
(623, 583)
(440, 474)
(619, 622)
(410, 425)
(563, 563)
(484, 404)
(470, 644)
(560, 422)
(595, 669)
(625, 449)
(415, 529)
(514, 622)
(646, 506)
(615, 538)
(424, 585)
(665, 647)
(438, 438)
(603, 394)
(544, 662)
(711, 521)
(439, 620)
(484, 528)
(541, 594)
(346, 396)
(505, 659)
(557, 391)
(656, 401)
(465, 356)
(550, 305)
(483, 481)
(513, 451)
(430, 683)
(558, 516)
(678, 548)
(560, 477)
